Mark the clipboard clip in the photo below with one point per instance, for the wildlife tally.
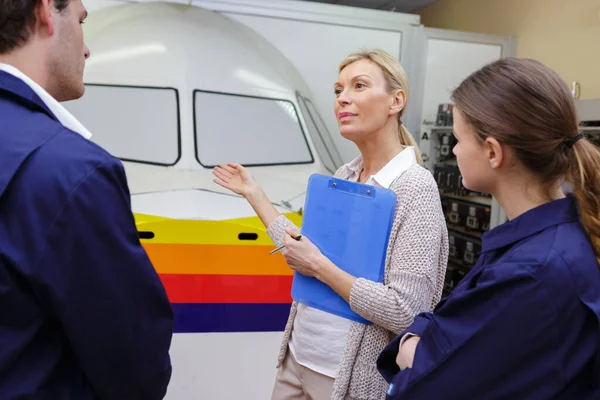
(356, 188)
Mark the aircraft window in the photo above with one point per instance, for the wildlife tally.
(320, 135)
(252, 131)
(139, 124)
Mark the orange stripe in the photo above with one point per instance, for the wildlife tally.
(210, 259)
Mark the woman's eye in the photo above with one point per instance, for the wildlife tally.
(360, 85)
(337, 91)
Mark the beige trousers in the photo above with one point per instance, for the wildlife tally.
(295, 382)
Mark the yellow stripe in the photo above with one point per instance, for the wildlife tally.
(206, 232)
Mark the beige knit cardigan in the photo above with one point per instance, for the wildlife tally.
(415, 269)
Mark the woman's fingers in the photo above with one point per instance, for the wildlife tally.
(230, 169)
(289, 241)
(293, 232)
(221, 183)
(221, 175)
(227, 170)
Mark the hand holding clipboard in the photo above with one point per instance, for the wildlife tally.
(350, 224)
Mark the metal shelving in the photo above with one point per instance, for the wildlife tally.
(468, 214)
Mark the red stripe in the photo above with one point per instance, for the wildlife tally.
(187, 288)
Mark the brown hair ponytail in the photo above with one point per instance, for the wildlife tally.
(527, 106)
(584, 177)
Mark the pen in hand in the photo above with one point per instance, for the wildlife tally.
(283, 245)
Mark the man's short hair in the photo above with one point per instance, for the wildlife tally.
(17, 18)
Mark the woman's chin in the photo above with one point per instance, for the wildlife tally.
(474, 187)
(349, 133)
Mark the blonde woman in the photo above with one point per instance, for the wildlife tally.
(324, 356)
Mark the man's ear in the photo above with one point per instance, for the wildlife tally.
(43, 16)
(398, 102)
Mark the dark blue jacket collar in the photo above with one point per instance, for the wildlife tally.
(532, 222)
(17, 90)
(20, 134)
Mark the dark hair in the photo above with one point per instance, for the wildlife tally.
(527, 106)
(17, 18)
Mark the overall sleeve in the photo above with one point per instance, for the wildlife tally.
(484, 342)
(386, 364)
(418, 257)
(98, 283)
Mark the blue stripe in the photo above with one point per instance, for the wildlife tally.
(197, 318)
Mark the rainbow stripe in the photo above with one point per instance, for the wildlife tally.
(217, 281)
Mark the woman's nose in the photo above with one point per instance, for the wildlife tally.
(343, 98)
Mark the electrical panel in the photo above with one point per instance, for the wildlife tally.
(468, 213)
(588, 111)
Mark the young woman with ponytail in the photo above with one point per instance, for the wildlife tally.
(525, 322)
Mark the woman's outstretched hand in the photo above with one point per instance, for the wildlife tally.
(238, 179)
(235, 178)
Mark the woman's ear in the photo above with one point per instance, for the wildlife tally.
(496, 153)
(398, 102)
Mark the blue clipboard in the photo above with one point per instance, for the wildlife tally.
(350, 223)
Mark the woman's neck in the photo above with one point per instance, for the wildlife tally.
(377, 150)
(516, 195)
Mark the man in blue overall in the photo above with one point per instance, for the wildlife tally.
(83, 314)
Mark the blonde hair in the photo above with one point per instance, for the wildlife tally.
(396, 79)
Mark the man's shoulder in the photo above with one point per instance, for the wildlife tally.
(64, 161)
(67, 149)
(46, 142)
